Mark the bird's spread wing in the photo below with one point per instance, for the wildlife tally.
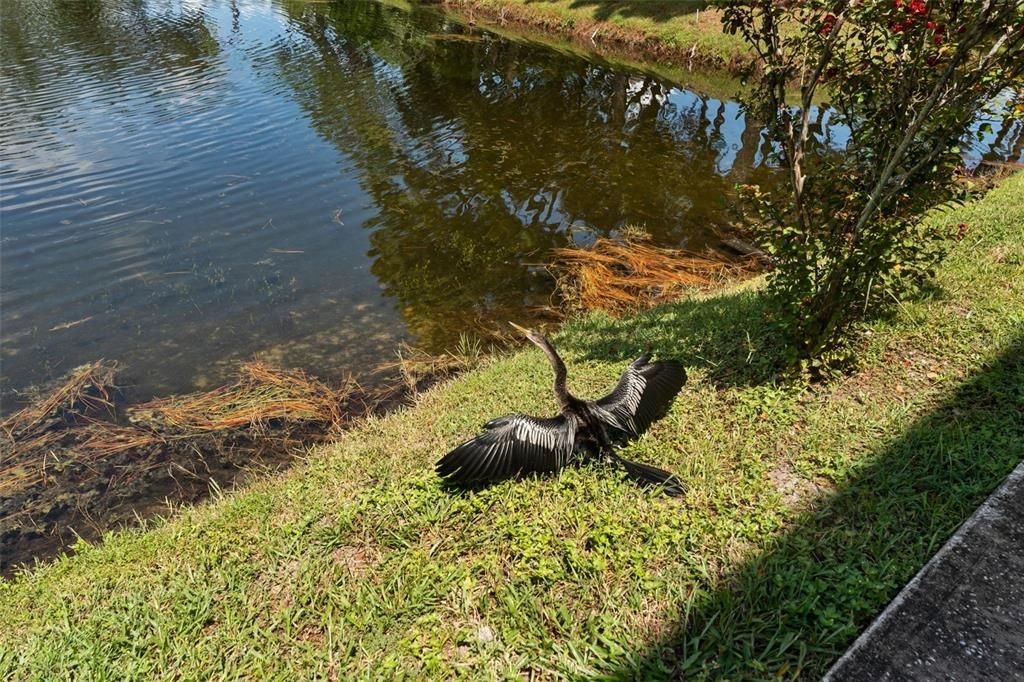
(509, 446)
(643, 393)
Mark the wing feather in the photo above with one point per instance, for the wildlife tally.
(642, 395)
(508, 446)
(491, 458)
(503, 467)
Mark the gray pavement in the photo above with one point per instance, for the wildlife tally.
(962, 616)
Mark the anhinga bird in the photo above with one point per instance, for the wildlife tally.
(520, 444)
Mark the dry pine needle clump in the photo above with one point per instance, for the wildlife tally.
(622, 276)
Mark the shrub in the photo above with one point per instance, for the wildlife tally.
(907, 78)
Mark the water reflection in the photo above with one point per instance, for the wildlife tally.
(186, 183)
(481, 154)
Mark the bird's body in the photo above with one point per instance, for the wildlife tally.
(521, 444)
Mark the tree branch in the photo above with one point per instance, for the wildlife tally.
(963, 49)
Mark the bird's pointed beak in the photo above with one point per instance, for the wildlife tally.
(522, 330)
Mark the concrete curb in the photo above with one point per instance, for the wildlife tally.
(962, 616)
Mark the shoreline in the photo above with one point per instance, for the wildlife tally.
(679, 43)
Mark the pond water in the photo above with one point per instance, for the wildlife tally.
(187, 184)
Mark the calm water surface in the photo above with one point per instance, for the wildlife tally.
(186, 184)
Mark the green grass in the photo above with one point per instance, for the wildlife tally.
(681, 31)
(808, 509)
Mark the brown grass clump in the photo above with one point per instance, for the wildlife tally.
(621, 276)
(419, 368)
(104, 438)
(36, 431)
(87, 389)
(261, 395)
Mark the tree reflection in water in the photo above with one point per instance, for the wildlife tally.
(482, 154)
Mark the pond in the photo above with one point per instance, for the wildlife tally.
(187, 184)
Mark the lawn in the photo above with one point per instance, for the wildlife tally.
(808, 508)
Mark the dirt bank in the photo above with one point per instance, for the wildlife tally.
(80, 459)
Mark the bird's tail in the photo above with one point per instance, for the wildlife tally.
(648, 475)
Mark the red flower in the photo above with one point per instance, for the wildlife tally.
(828, 24)
(917, 7)
(938, 39)
(897, 3)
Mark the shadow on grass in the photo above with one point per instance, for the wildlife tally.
(656, 10)
(727, 335)
(791, 610)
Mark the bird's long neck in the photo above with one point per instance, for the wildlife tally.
(561, 392)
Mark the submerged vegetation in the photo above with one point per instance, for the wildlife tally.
(808, 507)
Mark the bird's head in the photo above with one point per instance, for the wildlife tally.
(534, 336)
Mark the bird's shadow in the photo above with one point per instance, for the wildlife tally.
(728, 335)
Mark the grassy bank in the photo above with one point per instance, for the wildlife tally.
(808, 509)
(678, 32)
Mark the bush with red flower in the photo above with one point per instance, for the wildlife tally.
(907, 78)
(917, 7)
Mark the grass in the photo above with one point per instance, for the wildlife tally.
(684, 32)
(808, 508)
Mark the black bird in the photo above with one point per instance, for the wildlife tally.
(520, 444)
